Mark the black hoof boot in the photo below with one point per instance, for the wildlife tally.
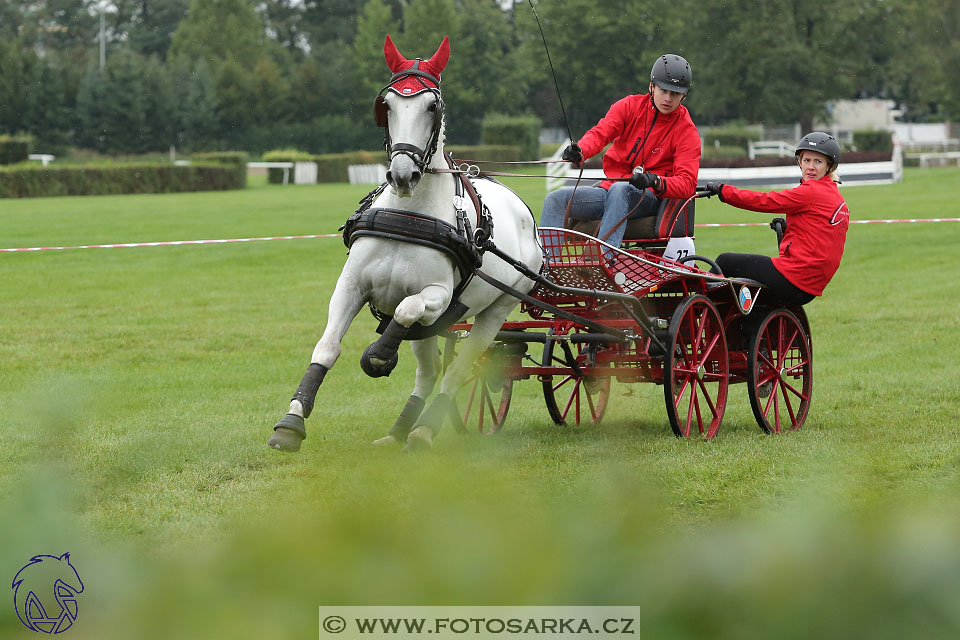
(387, 362)
(288, 434)
(384, 350)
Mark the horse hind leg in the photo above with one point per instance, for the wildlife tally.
(428, 371)
(485, 328)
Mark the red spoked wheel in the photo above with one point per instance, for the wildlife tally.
(780, 372)
(696, 371)
(484, 399)
(585, 396)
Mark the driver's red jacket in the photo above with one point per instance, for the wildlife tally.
(817, 221)
(665, 144)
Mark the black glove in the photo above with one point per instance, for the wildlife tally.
(713, 189)
(646, 181)
(573, 154)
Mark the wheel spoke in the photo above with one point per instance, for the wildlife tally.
(786, 401)
(773, 394)
(710, 347)
(473, 391)
(564, 381)
(593, 413)
(690, 404)
(798, 394)
(574, 396)
(486, 405)
(765, 357)
(706, 394)
(696, 402)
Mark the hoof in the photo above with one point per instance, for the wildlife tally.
(420, 439)
(377, 367)
(385, 442)
(284, 439)
(592, 384)
(288, 434)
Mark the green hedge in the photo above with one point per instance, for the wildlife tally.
(730, 137)
(234, 158)
(522, 131)
(872, 140)
(14, 149)
(333, 167)
(275, 176)
(711, 151)
(488, 153)
(28, 181)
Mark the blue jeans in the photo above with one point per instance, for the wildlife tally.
(610, 206)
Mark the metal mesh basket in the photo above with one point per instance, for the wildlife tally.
(578, 260)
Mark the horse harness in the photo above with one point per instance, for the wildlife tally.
(464, 243)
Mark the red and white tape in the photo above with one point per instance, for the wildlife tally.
(173, 243)
(170, 243)
(765, 224)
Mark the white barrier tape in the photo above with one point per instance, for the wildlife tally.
(171, 243)
(337, 235)
(766, 224)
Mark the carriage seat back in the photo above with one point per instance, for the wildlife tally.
(650, 228)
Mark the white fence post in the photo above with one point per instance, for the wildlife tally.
(305, 173)
(557, 171)
(367, 173)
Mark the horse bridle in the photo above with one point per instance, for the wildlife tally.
(420, 157)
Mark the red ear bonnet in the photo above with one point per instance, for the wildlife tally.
(411, 84)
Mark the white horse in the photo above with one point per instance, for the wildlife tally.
(412, 282)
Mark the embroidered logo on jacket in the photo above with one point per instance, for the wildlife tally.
(840, 215)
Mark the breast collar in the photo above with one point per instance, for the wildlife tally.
(463, 243)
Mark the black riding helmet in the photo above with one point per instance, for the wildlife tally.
(821, 143)
(671, 73)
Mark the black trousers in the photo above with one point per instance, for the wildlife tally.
(761, 269)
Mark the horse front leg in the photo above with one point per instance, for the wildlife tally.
(380, 358)
(291, 430)
(428, 371)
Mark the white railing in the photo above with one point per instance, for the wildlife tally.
(367, 173)
(769, 148)
(937, 159)
(44, 158)
(851, 173)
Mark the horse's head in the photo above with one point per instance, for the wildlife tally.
(410, 110)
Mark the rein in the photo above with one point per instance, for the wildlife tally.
(473, 171)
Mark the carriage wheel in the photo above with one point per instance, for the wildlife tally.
(572, 391)
(484, 399)
(696, 371)
(780, 372)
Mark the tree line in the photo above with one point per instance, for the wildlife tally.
(256, 75)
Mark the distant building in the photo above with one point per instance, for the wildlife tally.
(847, 116)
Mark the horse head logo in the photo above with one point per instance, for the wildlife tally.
(45, 593)
(421, 74)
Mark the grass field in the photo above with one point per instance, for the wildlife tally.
(139, 386)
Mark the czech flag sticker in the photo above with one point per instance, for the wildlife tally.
(745, 299)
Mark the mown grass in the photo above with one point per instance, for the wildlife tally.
(139, 385)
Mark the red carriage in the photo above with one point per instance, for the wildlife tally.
(642, 317)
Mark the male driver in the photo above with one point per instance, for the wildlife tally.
(652, 134)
